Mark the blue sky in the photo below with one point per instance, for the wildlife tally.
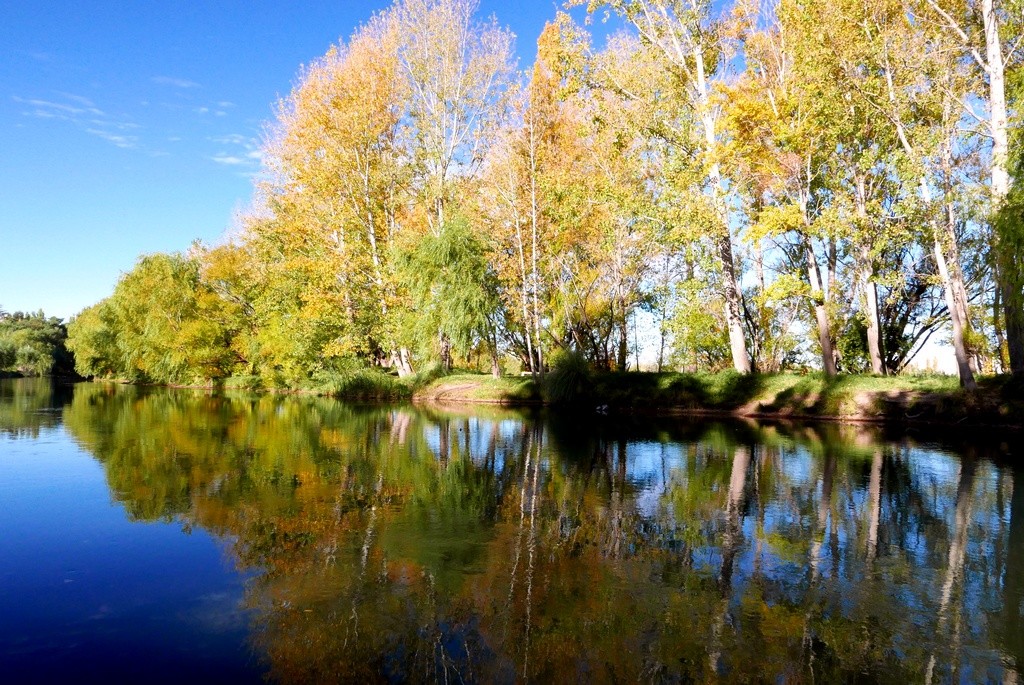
(134, 127)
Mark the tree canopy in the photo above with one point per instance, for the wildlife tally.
(759, 186)
(33, 344)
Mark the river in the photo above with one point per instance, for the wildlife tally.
(174, 535)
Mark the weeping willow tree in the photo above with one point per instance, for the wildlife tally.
(453, 293)
(162, 324)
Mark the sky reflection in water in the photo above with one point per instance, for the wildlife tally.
(311, 540)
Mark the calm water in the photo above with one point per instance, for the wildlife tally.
(164, 535)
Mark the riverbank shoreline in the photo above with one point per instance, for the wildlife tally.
(933, 400)
(901, 400)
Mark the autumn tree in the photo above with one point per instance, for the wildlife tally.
(369, 148)
(330, 205)
(985, 34)
(457, 71)
(780, 151)
(573, 207)
(161, 324)
(683, 33)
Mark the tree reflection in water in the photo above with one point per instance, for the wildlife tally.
(401, 543)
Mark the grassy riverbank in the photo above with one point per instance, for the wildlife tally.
(514, 390)
(998, 401)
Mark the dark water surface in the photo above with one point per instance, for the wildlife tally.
(169, 536)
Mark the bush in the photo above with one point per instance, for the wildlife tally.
(430, 374)
(363, 384)
(8, 354)
(243, 383)
(570, 378)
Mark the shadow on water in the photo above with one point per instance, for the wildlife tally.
(395, 543)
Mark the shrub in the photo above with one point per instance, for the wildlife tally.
(365, 384)
(243, 383)
(429, 374)
(569, 380)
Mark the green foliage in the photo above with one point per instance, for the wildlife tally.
(773, 346)
(162, 324)
(360, 383)
(699, 333)
(8, 354)
(92, 338)
(250, 383)
(852, 345)
(453, 289)
(33, 345)
(570, 378)
(430, 373)
(1008, 226)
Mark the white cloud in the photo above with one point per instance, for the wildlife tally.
(228, 160)
(176, 82)
(80, 99)
(242, 151)
(231, 139)
(83, 113)
(111, 123)
(59, 106)
(120, 141)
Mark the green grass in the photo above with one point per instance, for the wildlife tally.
(361, 384)
(901, 398)
(916, 398)
(251, 383)
(480, 388)
(356, 384)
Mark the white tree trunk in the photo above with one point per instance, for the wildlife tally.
(867, 272)
(1013, 311)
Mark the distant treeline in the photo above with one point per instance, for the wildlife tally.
(34, 345)
(756, 186)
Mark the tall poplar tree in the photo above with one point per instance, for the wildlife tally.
(987, 34)
(689, 41)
